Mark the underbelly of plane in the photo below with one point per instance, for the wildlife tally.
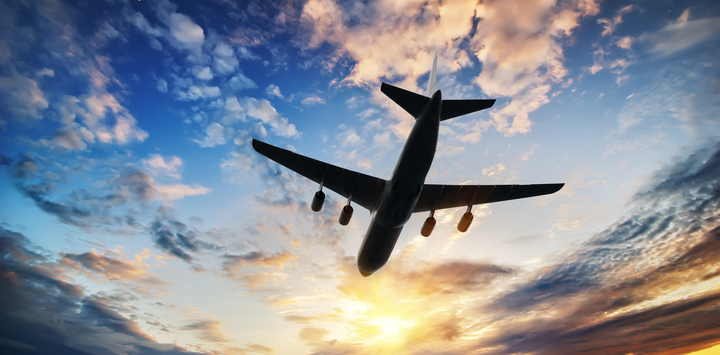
(376, 248)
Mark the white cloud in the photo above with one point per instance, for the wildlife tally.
(609, 25)
(265, 112)
(224, 59)
(45, 72)
(153, 33)
(162, 86)
(179, 191)
(312, 100)
(185, 31)
(110, 32)
(23, 97)
(158, 166)
(273, 90)
(683, 35)
(518, 42)
(247, 54)
(198, 92)
(214, 135)
(494, 170)
(530, 153)
(367, 113)
(240, 81)
(204, 73)
(624, 42)
(382, 138)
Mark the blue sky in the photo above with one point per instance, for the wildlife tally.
(137, 219)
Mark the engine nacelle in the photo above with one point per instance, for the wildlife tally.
(317, 201)
(428, 226)
(345, 215)
(465, 221)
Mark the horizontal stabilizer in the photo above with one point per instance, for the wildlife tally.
(411, 102)
(455, 108)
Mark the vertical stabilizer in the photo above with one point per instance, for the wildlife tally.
(433, 75)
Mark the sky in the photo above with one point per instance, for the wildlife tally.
(136, 218)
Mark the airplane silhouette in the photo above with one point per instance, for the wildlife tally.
(392, 202)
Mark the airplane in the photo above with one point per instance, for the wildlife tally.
(392, 202)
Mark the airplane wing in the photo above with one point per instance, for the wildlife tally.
(436, 197)
(365, 189)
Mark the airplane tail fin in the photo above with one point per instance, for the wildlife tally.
(432, 81)
(414, 103)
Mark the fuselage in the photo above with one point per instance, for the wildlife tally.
(402, 190)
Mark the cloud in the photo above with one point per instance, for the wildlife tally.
(273, 90)
(209, 331)
(214, 135)
(23, 97)
(142, 185)
(56, 316)
(196, 92)
(76, 57)
(162, 86)
(312, 100)
(240, 81)
(156, 165)
(45, 72)
(176, 238)
(519, 46)
(70, 139)
(265, 112)
(624, 43)
(204, 73)
(609, 25)
(224, 59)
(682, 35)
(256, 258)
(105, 268)
(180, 191)
(645, 283)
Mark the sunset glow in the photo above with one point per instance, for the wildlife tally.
(136, 218)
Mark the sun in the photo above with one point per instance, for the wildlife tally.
(391, 326)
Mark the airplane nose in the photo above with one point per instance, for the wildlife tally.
(365, 273)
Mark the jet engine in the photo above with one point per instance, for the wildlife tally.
(465, 221)
(346, 214)
(318, 201)
(428, 226)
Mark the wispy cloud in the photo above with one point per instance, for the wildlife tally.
(682, 35)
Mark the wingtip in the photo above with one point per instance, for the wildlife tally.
(255, 143)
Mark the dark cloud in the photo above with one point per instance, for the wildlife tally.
(43, 314)
(670, 241)
(174, 237)
(678, 327)
(256, 258)
(209, 330)
(79, 208)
